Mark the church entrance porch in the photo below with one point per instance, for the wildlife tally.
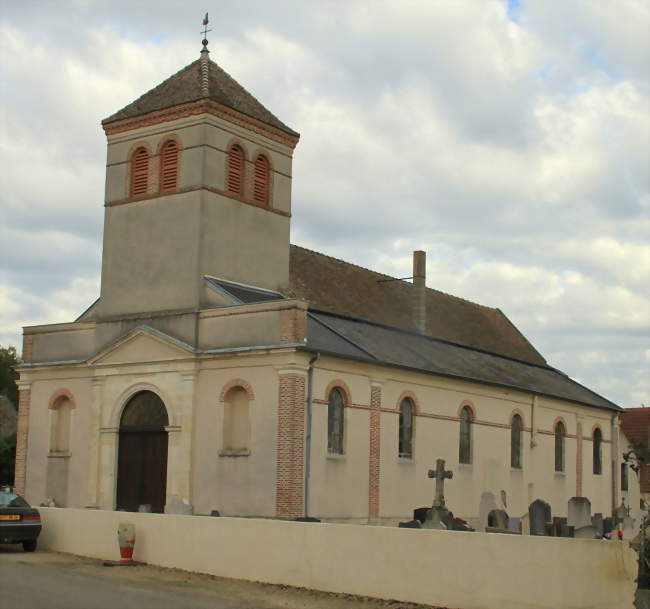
(142, 454)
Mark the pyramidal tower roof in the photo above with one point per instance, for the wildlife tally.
(202, 79)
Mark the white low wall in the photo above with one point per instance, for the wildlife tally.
(442, 568)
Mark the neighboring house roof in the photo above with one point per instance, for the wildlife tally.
(363, 340)
(186, 86)
(635, 423)
(336, 286)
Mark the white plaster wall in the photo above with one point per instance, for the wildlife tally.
(441, 568)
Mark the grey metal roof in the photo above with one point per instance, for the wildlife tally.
(241, 294)
(360, 339)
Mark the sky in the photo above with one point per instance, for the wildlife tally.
(508, 139)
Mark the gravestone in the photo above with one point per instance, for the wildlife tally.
(567, 531)
(597, 523)
(524, 523)
(420, 513)
(620, 513)
(488, 503)
(439, 517)
(587, 532)
(627, 526)
(540, 515)
(514, 524)
(579, 512)
(498, 519)
(558, 523)
(215, 513)
(608, 525)
(411, 524)
(178, 506)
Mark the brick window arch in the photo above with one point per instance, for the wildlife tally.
(169, 155)
(261, 180)
(236, 170)
(140, 172)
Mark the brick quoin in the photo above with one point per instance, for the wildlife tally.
(373, 465)
(28, 347)
(579, 460)
(21, 440)
(290, 447)
(293, 325)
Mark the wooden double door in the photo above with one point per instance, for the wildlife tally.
(142, 454)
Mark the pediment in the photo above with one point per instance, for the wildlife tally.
(143, 345)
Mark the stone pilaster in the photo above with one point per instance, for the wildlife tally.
(579, 458)
(179, 457)
(290, 464)
(375, 451)
(108, 445)
(94, 444)
(22, 432)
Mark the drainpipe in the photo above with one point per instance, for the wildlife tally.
(310, 386)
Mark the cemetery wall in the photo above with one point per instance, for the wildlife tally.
(442, 568)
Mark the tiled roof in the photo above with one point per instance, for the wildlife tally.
(359, 339)
(635, 423)
(336, 286)
(185, 86)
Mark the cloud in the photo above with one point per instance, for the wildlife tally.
(512, 146)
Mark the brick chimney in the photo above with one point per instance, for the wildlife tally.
(419, 291)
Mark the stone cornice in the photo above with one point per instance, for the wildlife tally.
(202, 106)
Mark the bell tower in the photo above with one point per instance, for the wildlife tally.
(198, 183)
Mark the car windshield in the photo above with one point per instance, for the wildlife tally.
(11, 500)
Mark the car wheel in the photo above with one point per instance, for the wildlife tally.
(29, 545)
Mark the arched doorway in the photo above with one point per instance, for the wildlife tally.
(142, 456)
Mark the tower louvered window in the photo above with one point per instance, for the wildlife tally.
(139, 172)
(169, 167)
(235, 178)
(261, 181)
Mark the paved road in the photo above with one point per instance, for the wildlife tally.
(49, 580)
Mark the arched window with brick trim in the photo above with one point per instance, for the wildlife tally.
(598, 450)
(140, 172)
(515, 441)
(236, 170)
(261, 180)
(560, 433)
(406, 409)
(335, 421)
(465, 440)
(169, 156)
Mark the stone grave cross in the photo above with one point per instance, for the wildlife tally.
(440, 474)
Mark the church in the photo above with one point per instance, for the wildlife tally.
(223, 368)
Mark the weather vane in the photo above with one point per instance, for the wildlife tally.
(205, 32)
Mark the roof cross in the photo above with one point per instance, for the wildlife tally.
(440, 474)
(205, 32)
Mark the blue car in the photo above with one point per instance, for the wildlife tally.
(19, 522)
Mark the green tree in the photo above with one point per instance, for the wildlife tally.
(8, 374)
(7, 459)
